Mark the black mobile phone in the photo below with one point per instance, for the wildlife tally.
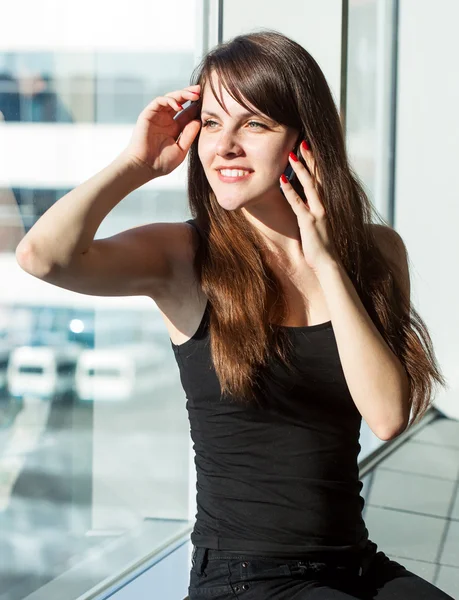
(191, 110)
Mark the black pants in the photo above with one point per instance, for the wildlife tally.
(225, 575)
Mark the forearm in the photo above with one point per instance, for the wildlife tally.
(375, 377)
(69, 226)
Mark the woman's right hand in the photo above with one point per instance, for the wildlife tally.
(154, 142)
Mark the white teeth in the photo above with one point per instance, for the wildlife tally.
(233, 173)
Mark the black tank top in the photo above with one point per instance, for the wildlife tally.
(281, 480)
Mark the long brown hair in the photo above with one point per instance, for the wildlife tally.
(282, 80)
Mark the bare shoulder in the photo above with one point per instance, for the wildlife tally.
(394, 250)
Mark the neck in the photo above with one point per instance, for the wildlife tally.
(278, 226)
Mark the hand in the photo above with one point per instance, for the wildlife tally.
(317, 245)
(154, 143)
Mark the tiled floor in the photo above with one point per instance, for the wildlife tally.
(412, 507)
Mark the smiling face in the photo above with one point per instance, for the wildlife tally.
(239, 141)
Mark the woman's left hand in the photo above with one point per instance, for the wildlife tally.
(318, 247)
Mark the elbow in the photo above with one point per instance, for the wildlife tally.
(28, 261)
(387, 433)
(23, 256)
(390, 434)
(21, 252)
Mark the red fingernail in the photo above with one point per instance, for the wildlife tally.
(305, 145)
(284, 178)
(180, 106)
(293, 157)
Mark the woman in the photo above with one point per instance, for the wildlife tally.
(288, 312)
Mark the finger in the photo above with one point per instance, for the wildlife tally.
(295, 201)
(162, 103)
(306, 153)
(188, 134)
(179, 97)
(182, 95)
(315, 205)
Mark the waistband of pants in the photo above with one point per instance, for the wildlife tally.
(201, 556)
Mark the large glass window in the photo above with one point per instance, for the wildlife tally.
(86, 87)
(94, 436)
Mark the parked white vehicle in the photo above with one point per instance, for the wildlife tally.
(119, 373)
(43, 371)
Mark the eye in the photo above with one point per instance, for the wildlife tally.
(206, 124)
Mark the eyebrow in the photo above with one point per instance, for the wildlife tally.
(241, 115)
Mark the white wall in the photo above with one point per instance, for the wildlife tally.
(427, 166)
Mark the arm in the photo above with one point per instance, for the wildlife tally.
(60, 247)
(376, 378)
(68, 227)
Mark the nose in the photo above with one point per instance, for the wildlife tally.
(228, 145)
